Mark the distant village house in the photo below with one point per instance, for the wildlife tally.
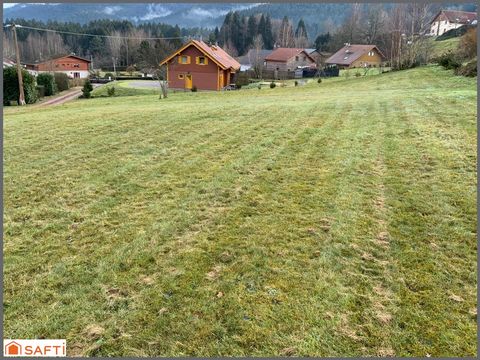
(289, 59)
(318, 56)
(72, 65)
(356, 56)
(447, 20)
(207, 67)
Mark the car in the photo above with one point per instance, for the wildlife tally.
(230, 87)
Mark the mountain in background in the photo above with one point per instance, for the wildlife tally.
(184, 15)
(320, 17)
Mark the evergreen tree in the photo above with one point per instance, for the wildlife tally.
(236, 32)
(87, 89)
(225, 30)
(268, 35)
(262, 26)
(322, 41)
(251, 31)
(301, 30)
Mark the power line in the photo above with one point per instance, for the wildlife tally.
(94, 35)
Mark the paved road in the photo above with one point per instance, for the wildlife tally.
(72, 95)
(143, 84)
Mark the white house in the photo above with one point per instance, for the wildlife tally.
(447, 20)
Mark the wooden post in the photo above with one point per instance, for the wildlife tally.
(21, 98)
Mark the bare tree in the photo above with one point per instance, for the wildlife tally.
(373, 23)
(115, 44)
(286, 37)
(301, 42)
(255, 57)
(161, 76)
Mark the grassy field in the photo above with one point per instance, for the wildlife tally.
(122, 88)
(332, 219)
(443, 46)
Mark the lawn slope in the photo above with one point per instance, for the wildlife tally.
(332, 219)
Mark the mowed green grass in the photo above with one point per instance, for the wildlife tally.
(332, 219)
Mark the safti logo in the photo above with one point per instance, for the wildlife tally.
(36, 348)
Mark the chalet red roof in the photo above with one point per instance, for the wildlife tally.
(285, 54)
(63, 57)
(458, 17)
(348, 54)
(214, 52)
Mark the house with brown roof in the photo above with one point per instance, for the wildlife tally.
(72, 65)
(355, 56)
(446, 20)
(288, 59)
(207, 67)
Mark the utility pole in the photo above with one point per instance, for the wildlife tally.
(21, 98)
(114, 69)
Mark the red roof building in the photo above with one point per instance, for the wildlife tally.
(207, 67)
(72, 65)
(288, 59)
(446, 20)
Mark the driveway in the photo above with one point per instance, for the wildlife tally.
(75, 93)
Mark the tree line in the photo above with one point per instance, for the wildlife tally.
(239, 33)
(126, 48)
(397, 29)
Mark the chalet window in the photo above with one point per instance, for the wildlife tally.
(184, 59)
(76, 75)
(181, 76)
(296, 58)
(304, 58)
(76, 65)
(201, 60)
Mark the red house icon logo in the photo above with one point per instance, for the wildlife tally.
(13, 348)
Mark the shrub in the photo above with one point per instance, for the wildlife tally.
(61, 79)
(194, 88)
(76, 82)
(87, 89)
(108, 75)
(10, 86)
(469, 69)
(449, 61)
(467, 47)
(239, 87)
(130, 69)
(259, 86)
(357, 74)
(111, 91)
(296, 83)
(242, 79)
(48, 81)
(319, 80)
(40, 91)
(272, 85)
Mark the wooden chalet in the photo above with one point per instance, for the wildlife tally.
(207, 67)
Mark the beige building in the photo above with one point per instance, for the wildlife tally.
(356, 56)
(288, 59)
(447, 20)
